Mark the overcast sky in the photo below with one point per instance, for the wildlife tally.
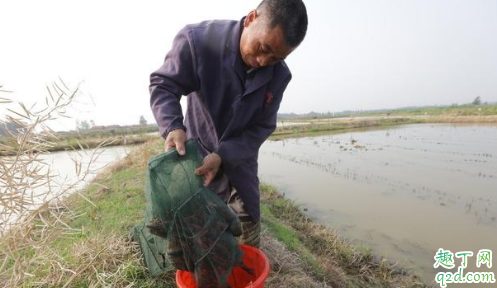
(358, 54)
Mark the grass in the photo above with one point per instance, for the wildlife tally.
(8, 146)
(462, 110)
(338, 126)
(290, 239)
(102, 252)
(452, 110)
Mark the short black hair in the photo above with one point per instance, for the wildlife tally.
(290, 15)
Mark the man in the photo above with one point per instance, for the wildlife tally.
(234, 75)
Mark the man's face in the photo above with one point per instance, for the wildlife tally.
(260, 45)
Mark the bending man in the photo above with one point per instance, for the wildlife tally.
(234, 76)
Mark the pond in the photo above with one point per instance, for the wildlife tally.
(405, 191)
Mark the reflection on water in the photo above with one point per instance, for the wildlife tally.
(62, 164)
(405, 191)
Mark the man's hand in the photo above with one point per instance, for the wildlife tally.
(176, 138)
(209, 168)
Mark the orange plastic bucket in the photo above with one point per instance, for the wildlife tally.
(252, 258)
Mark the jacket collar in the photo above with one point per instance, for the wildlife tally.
(233, 41)
(261, 77)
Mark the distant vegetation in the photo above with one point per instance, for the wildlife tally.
(84, 138)
(89, 135)
(476, 108)
(112, 130)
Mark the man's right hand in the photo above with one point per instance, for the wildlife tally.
(176, 138)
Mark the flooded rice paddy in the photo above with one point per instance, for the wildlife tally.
(405, 191)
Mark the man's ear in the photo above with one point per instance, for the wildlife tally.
(251, 16)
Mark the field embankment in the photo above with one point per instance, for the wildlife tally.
(307, 126)
(66, 141)
(302, 253)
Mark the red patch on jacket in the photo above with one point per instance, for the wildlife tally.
(268, 99)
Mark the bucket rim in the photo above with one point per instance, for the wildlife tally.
(259, 282)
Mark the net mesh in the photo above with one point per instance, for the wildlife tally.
(188, 227)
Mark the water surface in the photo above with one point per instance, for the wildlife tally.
(64, 177)
(404, 191)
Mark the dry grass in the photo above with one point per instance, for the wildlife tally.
(469, 119)
(287, 269)
(110, 259)
(32, 215)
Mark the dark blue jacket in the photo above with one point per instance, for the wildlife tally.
(231, 113)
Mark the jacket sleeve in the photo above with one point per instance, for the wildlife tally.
(176, 77)
(236, 150)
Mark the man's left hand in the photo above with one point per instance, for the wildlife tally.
(210, 166)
